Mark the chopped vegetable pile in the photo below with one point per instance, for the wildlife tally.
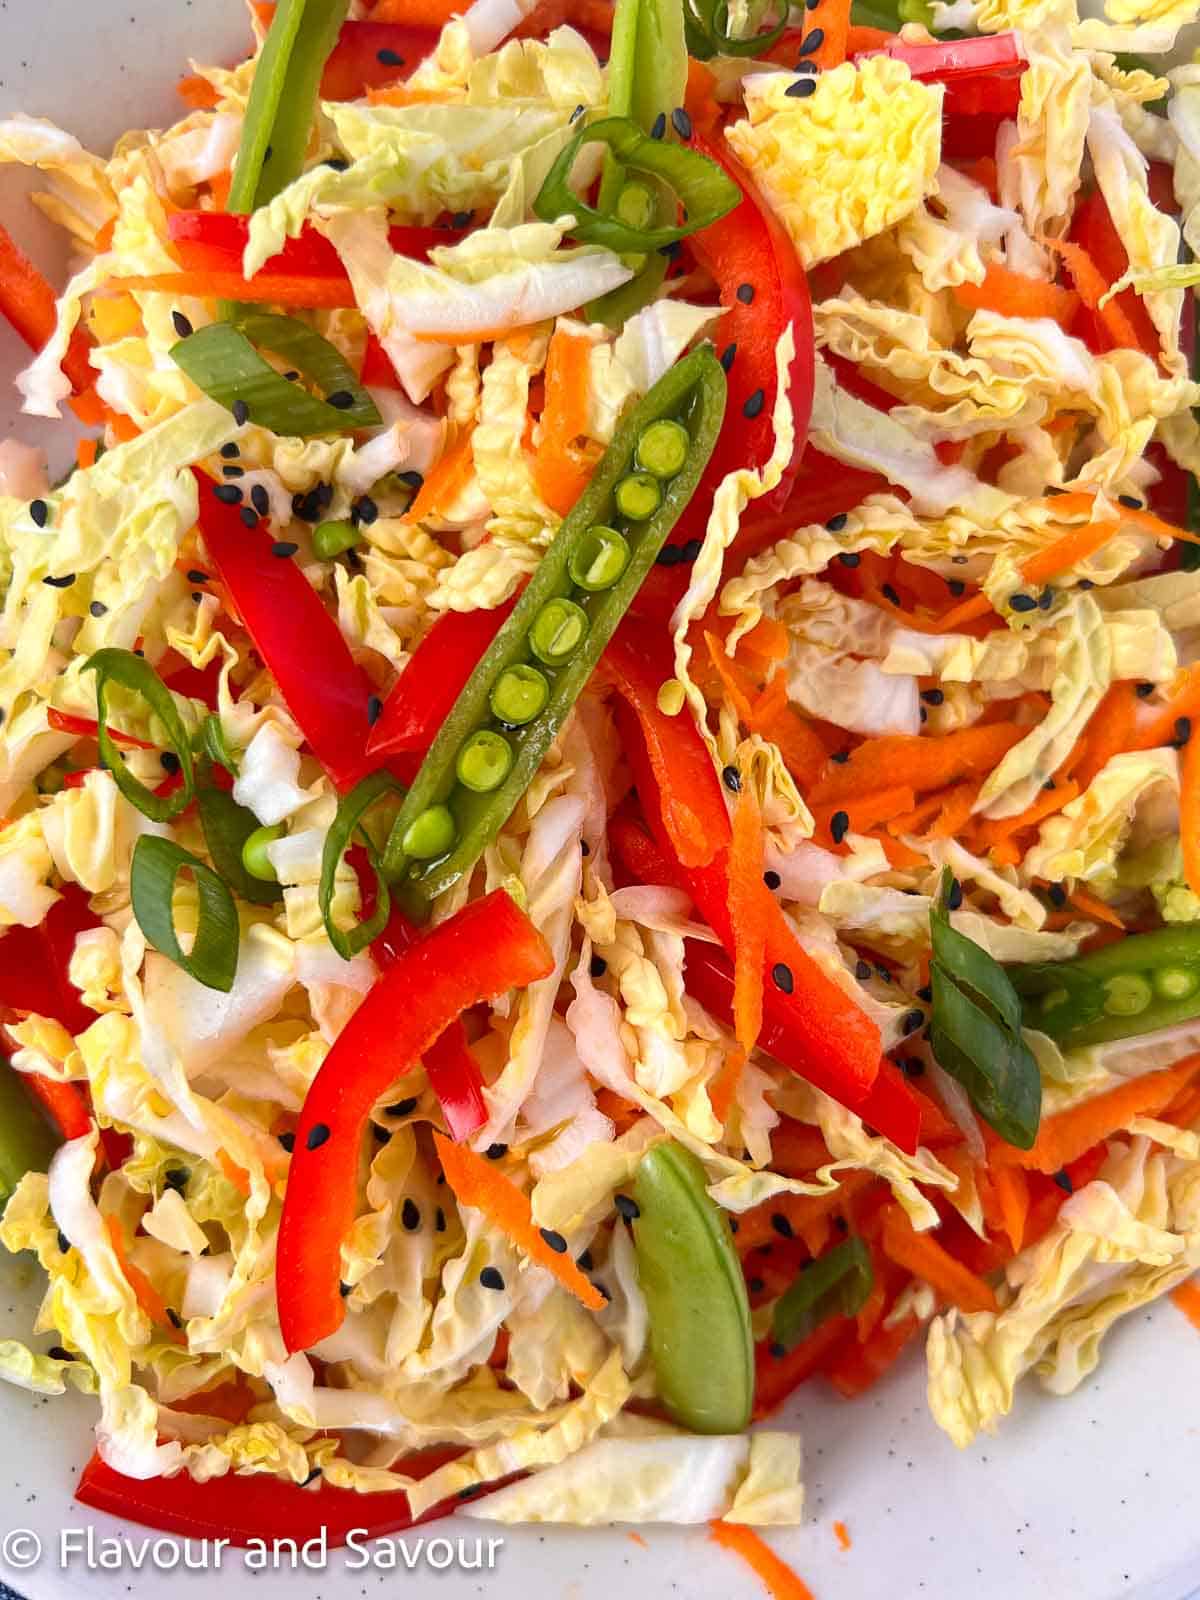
(601, 817)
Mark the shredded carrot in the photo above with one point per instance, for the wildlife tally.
(1183, 700)
(1110, 730)
(953, 621)
(1068, 551)
(1187, 1298)
(147, 1296)
(898, 853)
(866, 811)
(774, 718)
(798, 1149)
(700, 97)
(1011, 1187)
(917, 763)
(956, 810)
(1064, 1138)
(317, 294)
(416, 13)
(1155, 525)
(787, 1214)
(1047, 803)
(237, 1176)
(778, 1578)
(219, 188)
(1092, 906)
(924, 811)
(445, 483)
(86, 452)
(562, 468)
(750, 905)
(1091, 286)
(196, 92)
(622, 1112)
(1189, 813)
(401, 94)
(1012, 294)
(741, 692)
(925, 1258)
(842, 1534)
(478, 1183)
(638, 1540)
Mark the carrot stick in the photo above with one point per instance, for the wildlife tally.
(417, 13)
(956, 811)
(477, 1183)
(749, 906)
(1069, 1135)
(1047, 803)
(561, 468)
(866, 811)
(798, 1149)
(742, 693)
(924, 811)
(445, 483)
(1183, 701)
(1012, 1195)
(28, 302)
(925, 1258)
(916, 762)
(147, 1296)
(1110, 730)
(324, 294)
(64, 1104)
(196, 92)
(1067, 552)
(1092, 906)
(789, 1214)
(1091, 286)
(780, 1581)
(1012, 294)
(1187, 1298)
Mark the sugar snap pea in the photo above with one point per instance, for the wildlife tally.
(1137, 985)
(700, 1338)
(518, 697)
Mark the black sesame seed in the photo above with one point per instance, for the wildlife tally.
(850, 558)
(840, 757)
(555, 1240)
(338, 164)
(260, 500)
(912, 1020)
(1023, 602)
(345, 1290)
(410, 1216)
(1063, 1179)
(340, 400)
(754, 404)
(380, 1135)
(177, 1178)
(169, 761)
(1057, 895)
(659, 126)
(64, 1244)
(681, 122)
(439, 1221)
(1131, 501)
(64, 582)
(98, 608)
(690, 552)
(627, 1206)
(925, 993)
(182, 326)
(1049, 784)
(229, 451)
(577, 113)
(839, 825)
(597, 966)
(800, 88)
(374, 709)
(781, 977)
(174, 1318)
(389, 58)
(1183, 732)
(462, 219)
(1144, 690)
(365, 511)
(933, 697)
(772, 879)
(411, 480)
(496, 1152)
(1046, 599)
(492, 1278)
(228, 494)
(732, 779)
(777, 1351)
(669, 556)
(401, 1108)
(312, 1477)
(584, 1261)
(56, 1352)
(288, 1141)
(318, 1135)
(670, 251)
(241, 413)
(284, 549)
(249, 516)
(745, 293)
(954, 898)
(923, 714)
(197, 576)
(812, 42)
(838, 522)
(889, 593)
(727, 356)
(862, 970)
(755, 1285)
(806, 66)
(782, 1226)
(1086, 583)
(956, 587)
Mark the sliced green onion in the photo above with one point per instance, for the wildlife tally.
(700, 186)
(221, 360)
(228, 828)
(707, 26)
(213, 958)
(835, 1285)
(332, 538)
(255, 860)
(352, 808)
(215, 743)
(131, 672)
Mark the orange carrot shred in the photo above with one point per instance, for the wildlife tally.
(1062, 1139)
(1012, 294)
(562, 467)
(477, 1183)
(1187, 1298)
(1091, 286)
(749, 907)
(147, 1296)
(1092, 906)
(1047, 803)
(916, 762)
(925, 1258)
(842, 1535)
(1068, 551)
(778, 1578)
(445, 483)
(324, 294)
(1012, 1194)
(1189, 813)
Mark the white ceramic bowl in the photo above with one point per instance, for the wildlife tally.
(1088, 1498)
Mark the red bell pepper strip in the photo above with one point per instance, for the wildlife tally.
(215, 241)
(432, 681)
(369, 55)
(244, 1507)
(776, 1376)
(749, 253)
(982, 76)
(28, 302)
(34, 963)
(1093, 229)
(452, 1070)
(296, 638)
(63, 1103)
(88, 728)
(490, 946)
(681, 798)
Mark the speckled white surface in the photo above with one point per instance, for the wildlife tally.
(1090, 1498)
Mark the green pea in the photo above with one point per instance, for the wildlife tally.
(484, 761)
(331, 538)
(599, 559)
(520, 694)
(254, 852)
(1173, 983)
(700, 1338)
(1127, 994)
(638, 496)
(635, 205)
(663, 448)
(430, 834)
(558, 630)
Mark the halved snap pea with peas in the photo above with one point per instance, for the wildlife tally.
(700, 1337)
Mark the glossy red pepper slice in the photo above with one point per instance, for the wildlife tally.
(488, 947)
(34, 963)
(1092, 227)
(214, 241)
(370, 55)
(295, 637)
